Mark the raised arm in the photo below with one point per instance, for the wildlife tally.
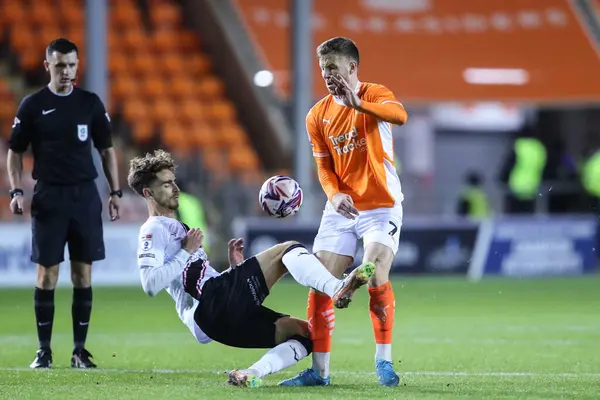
(381, 103)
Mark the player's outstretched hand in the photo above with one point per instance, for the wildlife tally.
(235, 251)
(193, 240)
(16, 205)
(344, 205)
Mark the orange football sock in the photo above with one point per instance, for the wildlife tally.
(382, 306)
(321, 322)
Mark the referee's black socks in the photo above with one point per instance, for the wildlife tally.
(81, 311)
(44, 315)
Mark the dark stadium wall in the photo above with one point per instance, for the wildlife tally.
(234, 61)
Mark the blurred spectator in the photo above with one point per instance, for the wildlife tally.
(191, 213)
(560, 176)
(473, 201)
(590, 180)
(523, 172)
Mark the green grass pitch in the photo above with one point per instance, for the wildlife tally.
(499, 338)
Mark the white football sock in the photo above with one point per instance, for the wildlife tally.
(383, 351)
(307, 270)
(321, 363)
(279, 357)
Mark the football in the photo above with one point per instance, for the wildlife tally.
(280, 196)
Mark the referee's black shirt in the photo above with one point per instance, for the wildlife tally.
(60, 129)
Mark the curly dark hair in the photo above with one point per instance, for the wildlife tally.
(143, 170)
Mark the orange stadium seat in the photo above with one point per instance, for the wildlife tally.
(7, 110)
(216, 162)
(72, 15)
(21, 37)
(136, 110)
(47, 33)
(133, 39)
(162, 109)
(165, 41)
(5, 90)
(142, 63)
(76, 33)
(32, 60)
(189, 41)
(179, 86)
(197, 64)
(124, 87)
(242, 159)
(143, 130)
(177, 137)
(160, 79)
(431, 48)
(118, 63)
(230, 134)
(191, 110)
(212, 86)
(154, 87)
(202, 136)
(42, 13)
(69, 3)
(124, 16)
(12, 13)
(222, 110)
(165, 15)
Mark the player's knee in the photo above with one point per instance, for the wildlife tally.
(47, 277)
(285, 247)
(380, 255)
(290, 244)
(306, 342)
(81, 274)
(334, 263)
(287, 327)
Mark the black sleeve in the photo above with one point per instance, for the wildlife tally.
(101, 129)
(509, 163)
(20, 135)
(462, 207)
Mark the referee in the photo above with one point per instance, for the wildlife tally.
(61, 123)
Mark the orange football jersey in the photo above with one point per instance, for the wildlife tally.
(360, 145)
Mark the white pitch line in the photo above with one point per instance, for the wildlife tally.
(352, 373)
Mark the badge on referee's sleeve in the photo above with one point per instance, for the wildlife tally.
(82, 132)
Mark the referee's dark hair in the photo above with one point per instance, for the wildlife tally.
(61, 45)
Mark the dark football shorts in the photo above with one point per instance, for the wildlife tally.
(66, 215)
(230, 309)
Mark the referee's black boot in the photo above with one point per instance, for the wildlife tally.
(82, 359)
(43, 359)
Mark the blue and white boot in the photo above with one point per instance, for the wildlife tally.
(386, 374)
(308, 377)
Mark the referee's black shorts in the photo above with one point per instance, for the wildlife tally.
(66, 215)
(230, 309)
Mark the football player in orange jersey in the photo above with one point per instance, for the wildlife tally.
(350, 131)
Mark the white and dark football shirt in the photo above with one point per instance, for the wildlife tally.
(165, 265)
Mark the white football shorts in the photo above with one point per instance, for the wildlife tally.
(340, 235)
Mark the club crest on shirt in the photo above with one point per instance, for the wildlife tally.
(146, 242)
(82, 132)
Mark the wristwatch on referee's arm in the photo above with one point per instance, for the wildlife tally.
(15, 192)
(118, 193)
